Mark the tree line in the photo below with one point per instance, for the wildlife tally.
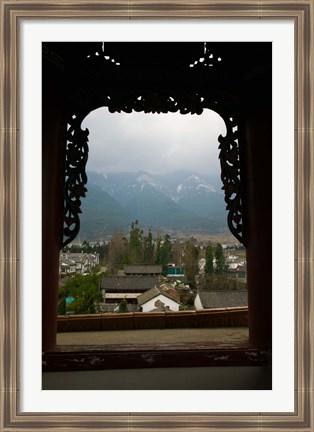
(141, 248)
(215, 275)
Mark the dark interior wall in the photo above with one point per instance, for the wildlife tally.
(53, 151)
(257, 167)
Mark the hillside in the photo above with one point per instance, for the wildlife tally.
(180, 201)
(155, 209)
(101, 214)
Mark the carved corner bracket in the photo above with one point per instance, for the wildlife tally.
(76, 156)
(231, 178)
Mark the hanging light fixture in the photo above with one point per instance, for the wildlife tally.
(209, 59)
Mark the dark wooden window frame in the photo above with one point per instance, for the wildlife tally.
(254, 353)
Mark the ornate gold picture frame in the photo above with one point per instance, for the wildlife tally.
(12, 13)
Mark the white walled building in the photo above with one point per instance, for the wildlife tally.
(157, 299)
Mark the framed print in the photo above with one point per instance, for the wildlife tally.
(268, 52)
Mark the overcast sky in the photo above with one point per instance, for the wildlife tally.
(155, 143)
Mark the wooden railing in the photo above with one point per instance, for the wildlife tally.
(225, 317)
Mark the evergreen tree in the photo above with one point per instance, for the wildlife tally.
(220, 262)
(136, 244)
(148, 253)
(123, 306)
(209, 264)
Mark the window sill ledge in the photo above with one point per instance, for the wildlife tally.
(89, 358)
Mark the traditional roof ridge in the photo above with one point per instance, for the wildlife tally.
(143, 268)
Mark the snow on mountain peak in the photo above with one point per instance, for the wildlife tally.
(192, 177)
(194, 183)
(144, 178)
(207, 187)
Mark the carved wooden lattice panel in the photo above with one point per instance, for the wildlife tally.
(148, 101)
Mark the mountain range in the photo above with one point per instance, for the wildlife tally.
(179, 201)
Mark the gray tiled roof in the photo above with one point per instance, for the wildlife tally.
(148, 295)
(222, 299)
(154, 292)
(142, 269)
(68, 262)
(170, 292)
(129, 283)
